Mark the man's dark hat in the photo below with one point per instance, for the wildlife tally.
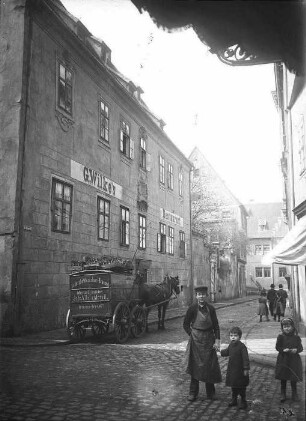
(272, 286)
(280, 286)
(201, 289)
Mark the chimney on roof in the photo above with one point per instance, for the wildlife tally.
(139, 92)
(162, 124)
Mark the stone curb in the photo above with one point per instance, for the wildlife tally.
(12, 342)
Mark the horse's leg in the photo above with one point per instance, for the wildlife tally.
(159, 317)
(164, 315)
(147, 316)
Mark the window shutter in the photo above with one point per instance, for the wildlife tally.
(121, 140)
(131, 149)
(148, 162)
(158, 242)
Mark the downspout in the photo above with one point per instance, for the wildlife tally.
(190, 218)
(27, 48)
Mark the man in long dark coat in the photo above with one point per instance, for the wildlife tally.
(271, 298)
(201, 361)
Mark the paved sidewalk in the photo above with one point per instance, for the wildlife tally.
(260, 338)
(59, 336)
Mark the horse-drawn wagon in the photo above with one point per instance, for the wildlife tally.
(103, 301)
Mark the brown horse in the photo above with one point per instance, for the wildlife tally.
(158, 295)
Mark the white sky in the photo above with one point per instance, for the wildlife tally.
(228, 112)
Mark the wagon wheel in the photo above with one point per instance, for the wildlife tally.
(99, 329)
(75, 331)
(121, 321)
(138, 321)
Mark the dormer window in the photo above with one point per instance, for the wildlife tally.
(262, 225)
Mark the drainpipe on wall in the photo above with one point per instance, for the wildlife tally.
(190, 222)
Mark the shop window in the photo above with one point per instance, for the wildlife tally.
(61, 206)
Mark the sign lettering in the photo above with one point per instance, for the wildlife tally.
(95, 179)
(171, 217)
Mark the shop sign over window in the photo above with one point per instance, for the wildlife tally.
(95, 179)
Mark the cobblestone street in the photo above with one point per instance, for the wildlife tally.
(141, 380)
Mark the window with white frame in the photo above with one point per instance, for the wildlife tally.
(103, 218)
(266, 248)
(282, 271)
(161, 238)
(267, 272)
(258, 272)
(126, 143)
(161, 170)
(61, 206)
(170, 177)
(171, 240)
(64, 86)
(143, 153)
(125, 226)
(182, 246)
(258, 249)
(180, 181)
(142, 232)
(104, 121)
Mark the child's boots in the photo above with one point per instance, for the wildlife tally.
(294, 397)
(283, 393)
(243, 402)
(233, 401)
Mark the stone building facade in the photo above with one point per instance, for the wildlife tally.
(87, 175)
(266, 227)
(221, 219)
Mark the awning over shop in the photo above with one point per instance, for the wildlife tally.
(291, 250)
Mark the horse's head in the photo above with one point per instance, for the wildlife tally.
(174, 284)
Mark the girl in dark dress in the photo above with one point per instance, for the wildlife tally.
(288, 364)
(237, 376)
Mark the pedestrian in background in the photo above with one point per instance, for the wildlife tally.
(237, 375)
(280, 303)
(271, 298)
(288, 363)
(263, 307)
(201, 361)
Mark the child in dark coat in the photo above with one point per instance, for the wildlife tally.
(288, 363)
(237, 376)
(263, 306)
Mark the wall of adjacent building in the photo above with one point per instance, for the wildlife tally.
(60, 147)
